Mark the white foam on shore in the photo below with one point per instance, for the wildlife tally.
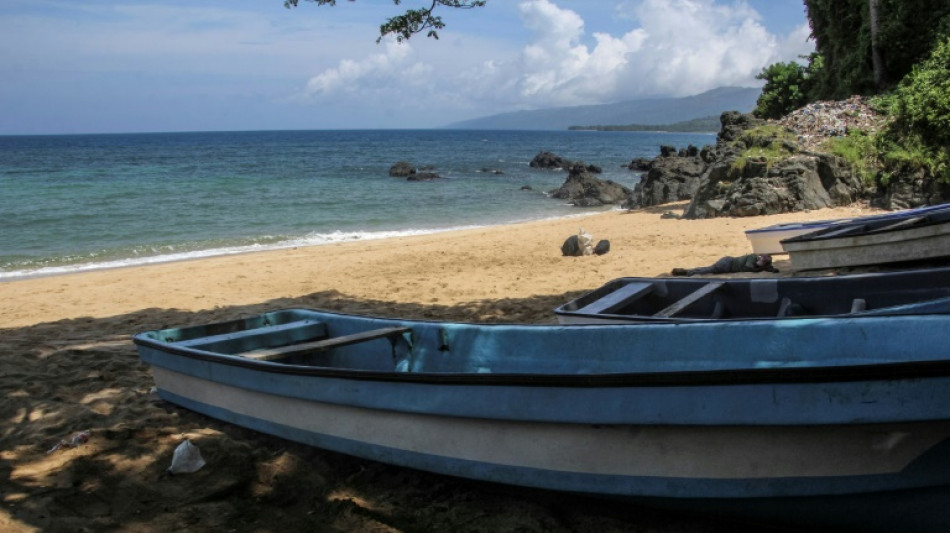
(313, 239)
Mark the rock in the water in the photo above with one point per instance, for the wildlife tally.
(584, 190)
(402, 169)
(549, 160)
(423, 176)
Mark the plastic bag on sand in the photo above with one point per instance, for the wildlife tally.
(78, 439)
(187, 459)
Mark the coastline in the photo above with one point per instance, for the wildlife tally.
(445, 268)
(67, 364)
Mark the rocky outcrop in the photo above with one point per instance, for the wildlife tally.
(671, 177)
(402, 169)
(912, 187)
(424, 176)
(793, 184)
(733, 124)
(584, 190)
(760, 167)
(550, 161)
(754, 169)
(640, 164)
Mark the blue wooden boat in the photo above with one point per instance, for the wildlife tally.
(768, 240)
(644, 300)
(839, 422)
(921, 236)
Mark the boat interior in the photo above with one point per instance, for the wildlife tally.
(709, 298)
(299, 338)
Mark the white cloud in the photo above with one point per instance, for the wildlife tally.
(390, 66)
(669, 47)
(320, 67)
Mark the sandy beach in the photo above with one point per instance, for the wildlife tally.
(67, 365)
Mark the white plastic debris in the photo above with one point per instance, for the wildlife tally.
(77, 440)
(187, 459)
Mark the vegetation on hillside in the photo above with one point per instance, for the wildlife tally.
(919, 134)
(705, 124)
(898, 50)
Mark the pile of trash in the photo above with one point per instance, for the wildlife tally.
(819, 121)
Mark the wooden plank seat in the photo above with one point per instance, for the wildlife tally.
(690, 299)
(292, 331)
(615, 300)
(268, 354)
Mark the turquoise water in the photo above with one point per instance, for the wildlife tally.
(77, 202)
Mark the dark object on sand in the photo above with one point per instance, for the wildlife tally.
(603, 246)
(577, 245)
(731, 265)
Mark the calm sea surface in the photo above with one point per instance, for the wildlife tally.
(78, 202)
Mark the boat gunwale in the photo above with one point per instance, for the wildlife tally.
(884, 371)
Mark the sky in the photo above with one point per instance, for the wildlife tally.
(103, 66)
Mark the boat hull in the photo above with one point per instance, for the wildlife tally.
(916, 236)
(768, 240)
(648, 421)
(915, 244)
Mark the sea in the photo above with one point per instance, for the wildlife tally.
(71, 203)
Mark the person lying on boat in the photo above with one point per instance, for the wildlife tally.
(729, 265)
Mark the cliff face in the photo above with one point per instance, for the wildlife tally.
(761, 168)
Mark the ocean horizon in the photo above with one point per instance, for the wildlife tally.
(85, 202)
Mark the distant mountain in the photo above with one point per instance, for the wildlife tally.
(646, 111)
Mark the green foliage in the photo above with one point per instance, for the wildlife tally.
(411, 22)
(919, 133)
(908, 30)
(767, 143)
(786, 86)
(858, 148)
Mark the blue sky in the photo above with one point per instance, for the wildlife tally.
(101, 66)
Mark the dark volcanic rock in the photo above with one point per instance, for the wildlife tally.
(423, 176)
(641, 164)
(912, 187)
(550, 161)
(584, 190)
(670, 179)
(795, 183)
(733, 123)
(402, 169)
(572, 247)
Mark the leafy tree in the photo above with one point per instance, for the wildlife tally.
(411, 22)
(786, 89)
(868, 43)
